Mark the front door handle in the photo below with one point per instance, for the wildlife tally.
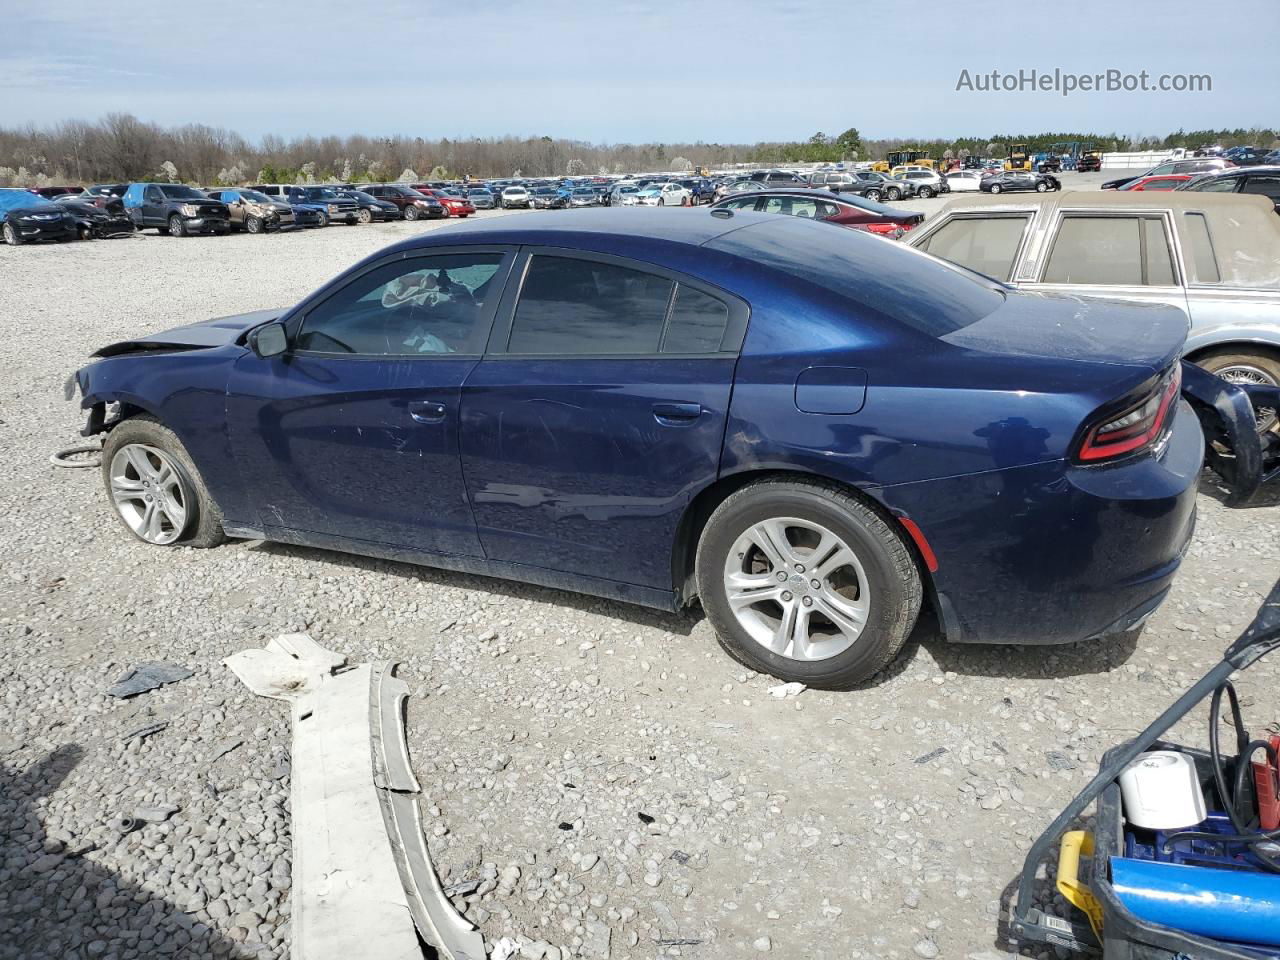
(676, 414)
(426, 411)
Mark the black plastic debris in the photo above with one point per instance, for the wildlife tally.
(147, 676)
(931, 755)
(564, 825)
(645, 818)
(145, 731)
(680, 857)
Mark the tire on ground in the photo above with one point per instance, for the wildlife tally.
(893, 580)
(204, 520)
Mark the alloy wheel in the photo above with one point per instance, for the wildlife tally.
(797, 589)
(1247, 373)
(148, 493)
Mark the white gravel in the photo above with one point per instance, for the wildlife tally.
(614, 783)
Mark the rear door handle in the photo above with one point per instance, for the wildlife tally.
(426, 411)
(676, 414)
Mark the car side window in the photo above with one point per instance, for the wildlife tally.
(743, 203)
(697, 323)
(1203, 261)
(1265, 186)
(987, 245)
(1225, 185)
(571, 306)
(152, 194)
(1123, 251)
(422, 306)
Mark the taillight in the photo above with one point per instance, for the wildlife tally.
(1136, 428)
(891, 230)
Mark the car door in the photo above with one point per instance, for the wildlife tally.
(598, 413)
(1104, 253)
(352, 433)
(153, 212)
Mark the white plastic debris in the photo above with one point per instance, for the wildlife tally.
(784, 690)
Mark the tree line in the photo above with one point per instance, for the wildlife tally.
(122, 147)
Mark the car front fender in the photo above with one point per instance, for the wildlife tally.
(1233, 447)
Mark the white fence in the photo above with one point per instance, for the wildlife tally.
(1137, 161)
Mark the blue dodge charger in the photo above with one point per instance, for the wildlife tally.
(812, 432)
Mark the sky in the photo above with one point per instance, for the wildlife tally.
(633, 71)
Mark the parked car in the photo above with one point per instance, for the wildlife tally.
(1165, 181)
(52, 193)
(583, 197)
(927, 183)
(176, 209)
(616, 190)
(964, 181)
(729, 187)
(1089, 163)
(28, 218)
(96, 221)
(371, 209)
(1010, 181)
(480, 198)
(838, 208)
(116, 190)
(669, 194)
(879, 186)
(336, 209)
(453, 202)
(306, 215)
(1223, 271)
(1192, 165)
(1264, 181)
(777, 178)
(1245, 156)
(515, 198)
(253, 211)
(543, 198)
(866, 446)
(412, 204)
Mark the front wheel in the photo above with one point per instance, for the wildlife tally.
(806, 582)
(11, 235)
(924, 193)
(156, 490)
(1041, 187)
(253, 224)
(324, 219)
(894, 193)
(366, 216)
(872, 194)
(660, 202)
(177, 226)
(995, 188)
(411, 213)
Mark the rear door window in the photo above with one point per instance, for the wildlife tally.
(1268, 186)
(697, 324)
(988, 245)
(1110, 250)
(1203, 262)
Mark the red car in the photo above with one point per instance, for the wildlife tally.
(844, 209)
(1163, 181)
(456, 206)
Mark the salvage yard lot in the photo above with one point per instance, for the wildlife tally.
(618, 786)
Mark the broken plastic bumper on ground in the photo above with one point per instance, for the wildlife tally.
(362, 877)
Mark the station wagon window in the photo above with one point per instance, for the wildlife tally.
(419, 307)
(1203, 261)
(988, 245)
(569, 306)
(1109, 250)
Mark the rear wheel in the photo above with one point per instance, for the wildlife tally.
(893, 193)
(155, 488)
(807, 583)
(177, 226)
(1247, 366)
(924, 193)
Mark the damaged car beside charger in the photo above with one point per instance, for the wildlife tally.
(810, 432)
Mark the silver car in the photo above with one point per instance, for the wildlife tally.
(1215, 256)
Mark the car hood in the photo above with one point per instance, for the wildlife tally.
(1078, 328)
(218, 332)
(34, 209)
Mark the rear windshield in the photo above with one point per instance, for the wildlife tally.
(903, 284)
(178, 192)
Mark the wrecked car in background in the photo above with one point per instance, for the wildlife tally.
(809, 431)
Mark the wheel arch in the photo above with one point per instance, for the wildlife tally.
(1237, 344)
(695, 516)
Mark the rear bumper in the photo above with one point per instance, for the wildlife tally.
(1054, 552)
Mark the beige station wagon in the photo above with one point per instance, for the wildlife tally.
(1215, 256)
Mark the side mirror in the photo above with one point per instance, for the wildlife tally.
(269, 341)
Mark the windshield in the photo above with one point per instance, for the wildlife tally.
(584, 192)
(362, 196)
(255, 196)
(176, 191)
(13, 199)
(321, 193)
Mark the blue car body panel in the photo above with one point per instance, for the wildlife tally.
(584, 472)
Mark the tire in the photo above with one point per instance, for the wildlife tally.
(85, 233)
(924, 193)
(324, 218)
(893, 193)
(660, 203)
(366, 216)
(177, 227)
(872, 195)
(11, 236)
(882, 566)
(411, 213)
(1246, 366)
(1041, 187)
(201, 525)
(995, 188)
(253, 224)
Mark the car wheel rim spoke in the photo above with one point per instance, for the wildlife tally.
(147, 491)
(797, 589)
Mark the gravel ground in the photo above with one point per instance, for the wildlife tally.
(602, 778)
